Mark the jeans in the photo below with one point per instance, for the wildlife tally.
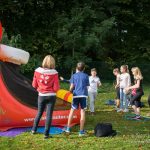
(123, 100)
(47, 102)
(92, 97)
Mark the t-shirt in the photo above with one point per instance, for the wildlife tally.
(125, 80)
(94, 81)
(80, 80)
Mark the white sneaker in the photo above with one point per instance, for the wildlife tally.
(119, 110)
(126, 110)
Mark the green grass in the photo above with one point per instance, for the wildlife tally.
(131, 135)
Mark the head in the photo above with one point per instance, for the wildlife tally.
(93, 72)
(48, 62)
(80, 66)
(116, 71)
(137, 73)
(124, 69)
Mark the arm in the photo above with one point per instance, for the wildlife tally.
(64, 80)
(71, 84)
(99, 83)
(56, 83)
(129, 80)
(34, 82)
(71, 87)
(137, 85)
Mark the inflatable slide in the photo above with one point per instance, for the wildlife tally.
(18, 99)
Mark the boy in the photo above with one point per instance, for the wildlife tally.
(79, 83)
(92, 90)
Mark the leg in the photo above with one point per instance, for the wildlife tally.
(49, 112)
(82, 120)
(70, 117)
(75, 105)
(138, 110)
(125, 101)
(41, 107)
(91, 96)
(134, 108)
(121, 98)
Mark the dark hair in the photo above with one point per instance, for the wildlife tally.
(80, 66)
(116, 70)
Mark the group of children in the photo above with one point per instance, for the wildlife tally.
(46, 82)
(128, 94)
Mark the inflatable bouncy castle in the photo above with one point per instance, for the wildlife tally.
(18, 99)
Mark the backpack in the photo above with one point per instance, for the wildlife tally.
(104, 130)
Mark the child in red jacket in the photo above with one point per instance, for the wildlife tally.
(46, 82)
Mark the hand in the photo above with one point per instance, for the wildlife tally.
(61, 78)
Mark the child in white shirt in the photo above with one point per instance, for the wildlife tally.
(92, 90)
(125, 81)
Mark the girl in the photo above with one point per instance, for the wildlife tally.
(137, 91)
(117, 86)
(92, 90)
(125, 82)
(46, 82)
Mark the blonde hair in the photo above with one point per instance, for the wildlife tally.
(138, 74)
(125, 67)
(94, 69)
(48, 62)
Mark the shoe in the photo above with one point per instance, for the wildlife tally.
(47, 136)
(119, 110)
(138, 117)
(126, 110)
(67, 130)
(33, 132)
(82, 133)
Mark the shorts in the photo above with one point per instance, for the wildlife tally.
(136, 99)
(79, 101)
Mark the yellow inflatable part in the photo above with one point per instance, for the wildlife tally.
(65, 95)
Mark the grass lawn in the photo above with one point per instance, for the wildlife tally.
(131, 135)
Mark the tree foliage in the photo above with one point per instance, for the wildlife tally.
(114, 31)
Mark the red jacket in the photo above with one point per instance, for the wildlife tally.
(46, 80)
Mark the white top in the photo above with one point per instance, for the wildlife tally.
(125, 80)
(94, 82)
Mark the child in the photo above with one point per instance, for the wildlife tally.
(92, 90)
(117, 86)
(125, 82)
(137, 91)
(79, 84)
(46, 82)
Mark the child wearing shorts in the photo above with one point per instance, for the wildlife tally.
(79, 83)
(92, 90)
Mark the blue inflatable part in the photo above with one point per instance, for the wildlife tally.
(53, 130)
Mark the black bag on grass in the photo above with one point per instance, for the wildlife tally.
(104, 130)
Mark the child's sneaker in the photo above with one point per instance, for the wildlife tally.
(67, 130)
(137, 117)
(126, 110)
(82, 133)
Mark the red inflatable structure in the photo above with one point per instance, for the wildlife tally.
(18, 99)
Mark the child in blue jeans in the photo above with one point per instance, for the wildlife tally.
(79, 83)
